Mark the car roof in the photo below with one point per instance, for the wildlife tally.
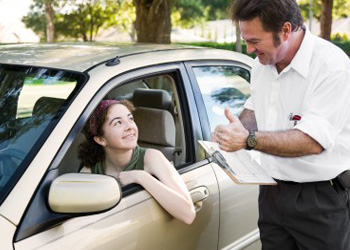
(83, 56)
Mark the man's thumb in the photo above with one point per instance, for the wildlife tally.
(229, 115)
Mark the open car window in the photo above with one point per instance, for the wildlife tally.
(157, 115)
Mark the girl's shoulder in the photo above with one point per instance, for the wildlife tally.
(85, 170)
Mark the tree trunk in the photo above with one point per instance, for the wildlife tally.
(238, 44)
(91, 21)
(50, 27)
(326, 19)
(153, 23)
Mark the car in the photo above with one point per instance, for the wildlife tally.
(48, 92)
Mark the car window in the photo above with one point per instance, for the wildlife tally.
(30, 101)
(157, 115)
(159, 93)
(222, 86)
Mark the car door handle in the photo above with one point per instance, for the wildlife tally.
(198, 195)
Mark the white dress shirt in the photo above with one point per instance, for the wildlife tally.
(316, 87)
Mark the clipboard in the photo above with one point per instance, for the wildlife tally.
(240, 166)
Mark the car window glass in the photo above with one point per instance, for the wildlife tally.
(222, 86)
(30, 99)
(36, 87)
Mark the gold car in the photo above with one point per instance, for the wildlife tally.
(47, 93)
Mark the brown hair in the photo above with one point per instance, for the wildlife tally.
(90, 152)
(272, 13)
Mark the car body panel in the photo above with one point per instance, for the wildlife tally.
(238, 200)
(7, 231)
(134, 230)
(83, 57)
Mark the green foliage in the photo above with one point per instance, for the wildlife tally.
(341, 8)
(218, 9)
(36, 21)
(187, 13)
(79, 19)
(344, 45)
(340, 37)
(225, 46)
(85, 18)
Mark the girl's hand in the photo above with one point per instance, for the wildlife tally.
(129, 177)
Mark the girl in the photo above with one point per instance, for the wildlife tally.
(111, 148)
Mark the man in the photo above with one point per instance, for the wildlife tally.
(298, 116)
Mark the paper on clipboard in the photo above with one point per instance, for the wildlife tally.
(240, 166)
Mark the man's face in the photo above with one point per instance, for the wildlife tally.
(266, 45)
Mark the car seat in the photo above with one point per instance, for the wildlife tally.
(154, 120)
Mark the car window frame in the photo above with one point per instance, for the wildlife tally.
(182, 86)
(204, 119)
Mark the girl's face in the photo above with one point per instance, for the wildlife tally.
(119, 128)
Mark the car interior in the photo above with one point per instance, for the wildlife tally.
(156, 115)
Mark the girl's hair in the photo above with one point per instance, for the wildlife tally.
(90, 152)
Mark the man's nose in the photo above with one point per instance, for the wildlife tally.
(250, 48)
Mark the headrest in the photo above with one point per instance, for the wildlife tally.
(152, 98)
(47, 105)
(156, 126)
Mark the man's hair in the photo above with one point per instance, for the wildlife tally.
(272, 13)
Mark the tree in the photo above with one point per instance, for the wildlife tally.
(77, 19)
(125, 18)
(325, 11)
(42, 17)
(153, 23)
(238, 44)
(326, 19)
(84, 18)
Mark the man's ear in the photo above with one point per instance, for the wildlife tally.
(286, 30)
(100, 140)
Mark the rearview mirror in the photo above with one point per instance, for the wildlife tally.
(83, 193)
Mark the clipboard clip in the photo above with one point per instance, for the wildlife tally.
(219, 159)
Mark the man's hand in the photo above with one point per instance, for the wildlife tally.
(231, 137)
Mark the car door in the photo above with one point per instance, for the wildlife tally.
(137, 222)
(218, 85)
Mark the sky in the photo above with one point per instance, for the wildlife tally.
(12, 10)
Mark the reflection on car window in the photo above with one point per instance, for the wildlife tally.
(30, 99)
(222, 86)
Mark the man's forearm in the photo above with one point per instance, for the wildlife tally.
(291, 143)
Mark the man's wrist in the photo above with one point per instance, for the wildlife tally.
(251, 140)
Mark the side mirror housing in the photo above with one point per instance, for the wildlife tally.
(83, 193)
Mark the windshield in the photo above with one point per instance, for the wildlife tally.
(31, 102)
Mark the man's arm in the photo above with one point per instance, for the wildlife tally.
(247, 118)
(289, 143)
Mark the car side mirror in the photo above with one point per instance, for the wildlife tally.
(84, 193)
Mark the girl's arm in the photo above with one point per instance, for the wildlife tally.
(170, 191)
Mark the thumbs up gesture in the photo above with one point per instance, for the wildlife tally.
(231, 137)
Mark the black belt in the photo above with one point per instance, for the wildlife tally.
(343, 180)
(300, 183)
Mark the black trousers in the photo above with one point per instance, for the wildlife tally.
(312, 216)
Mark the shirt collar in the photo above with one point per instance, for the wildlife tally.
(302, 59)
